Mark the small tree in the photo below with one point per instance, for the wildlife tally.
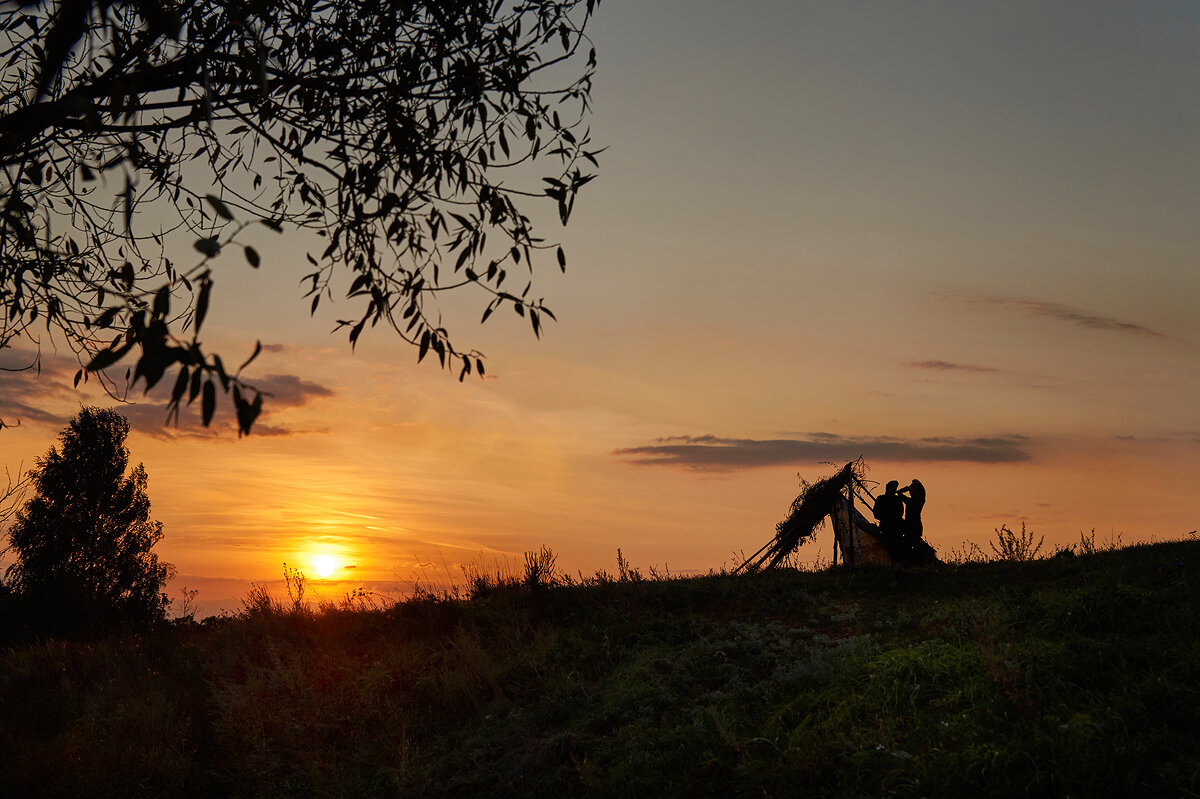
(82, 543)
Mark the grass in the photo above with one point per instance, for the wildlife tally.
(1077, 674)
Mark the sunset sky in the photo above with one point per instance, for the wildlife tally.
(958, 239)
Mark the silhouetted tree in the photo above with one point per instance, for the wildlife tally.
(12, 495)
(82, 542)
(411, 134)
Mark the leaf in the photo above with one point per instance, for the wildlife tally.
(181, 384)
(252, 257)
(562, 259)
(78, 377)
(221, 373)
(424, 349)
(462, 259)
(247, 412)
(210, 246)
(107, 317)
(208, 403)
(128, 205)
(106, 358)
(257, 350)
(202, 303)
(219, 206)
(162, 302)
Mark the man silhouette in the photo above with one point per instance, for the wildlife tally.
(888, 510)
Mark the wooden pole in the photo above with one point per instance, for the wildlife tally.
(850, 520)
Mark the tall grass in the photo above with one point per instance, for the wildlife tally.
(1053, 676)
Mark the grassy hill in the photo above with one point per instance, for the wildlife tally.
(1072, 676)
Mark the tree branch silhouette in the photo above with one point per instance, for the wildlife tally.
(406, 134)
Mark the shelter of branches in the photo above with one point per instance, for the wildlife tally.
(844, 499)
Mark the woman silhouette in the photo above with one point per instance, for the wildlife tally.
(913, 502)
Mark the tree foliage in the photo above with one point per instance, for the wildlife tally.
(411, 135)
(83, 542)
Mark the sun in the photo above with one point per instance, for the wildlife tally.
(325, 565)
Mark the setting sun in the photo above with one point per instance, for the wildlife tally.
(325, 565)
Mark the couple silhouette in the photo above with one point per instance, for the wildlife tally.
(898, 511)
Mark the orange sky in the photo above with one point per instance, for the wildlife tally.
(959, 241)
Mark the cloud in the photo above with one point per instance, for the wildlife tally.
(709, 453)
(1177, 437)
(17, 413)
(1065, 313)
(45, 395)
(151, 420)
(947, 366)
(38, 395)
(289, 391)
(285, 391)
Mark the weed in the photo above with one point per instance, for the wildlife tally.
(625, 572)
(1015, 547)
(664, 574)
(539, 568)
(185, 611)
(296, 585)
(259, 602)
(1088, 545)
(971, 553)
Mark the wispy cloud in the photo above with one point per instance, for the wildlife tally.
(713, 454)
(1065, 313)
(947, 366)
(38, 394)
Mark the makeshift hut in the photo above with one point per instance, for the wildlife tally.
(844, 499)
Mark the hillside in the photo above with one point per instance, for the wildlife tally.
(1076, 675)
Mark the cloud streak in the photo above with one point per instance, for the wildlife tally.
(1065, 313)
(947, 366)
(710, 453)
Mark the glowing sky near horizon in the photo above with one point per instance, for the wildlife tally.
(958, 239)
